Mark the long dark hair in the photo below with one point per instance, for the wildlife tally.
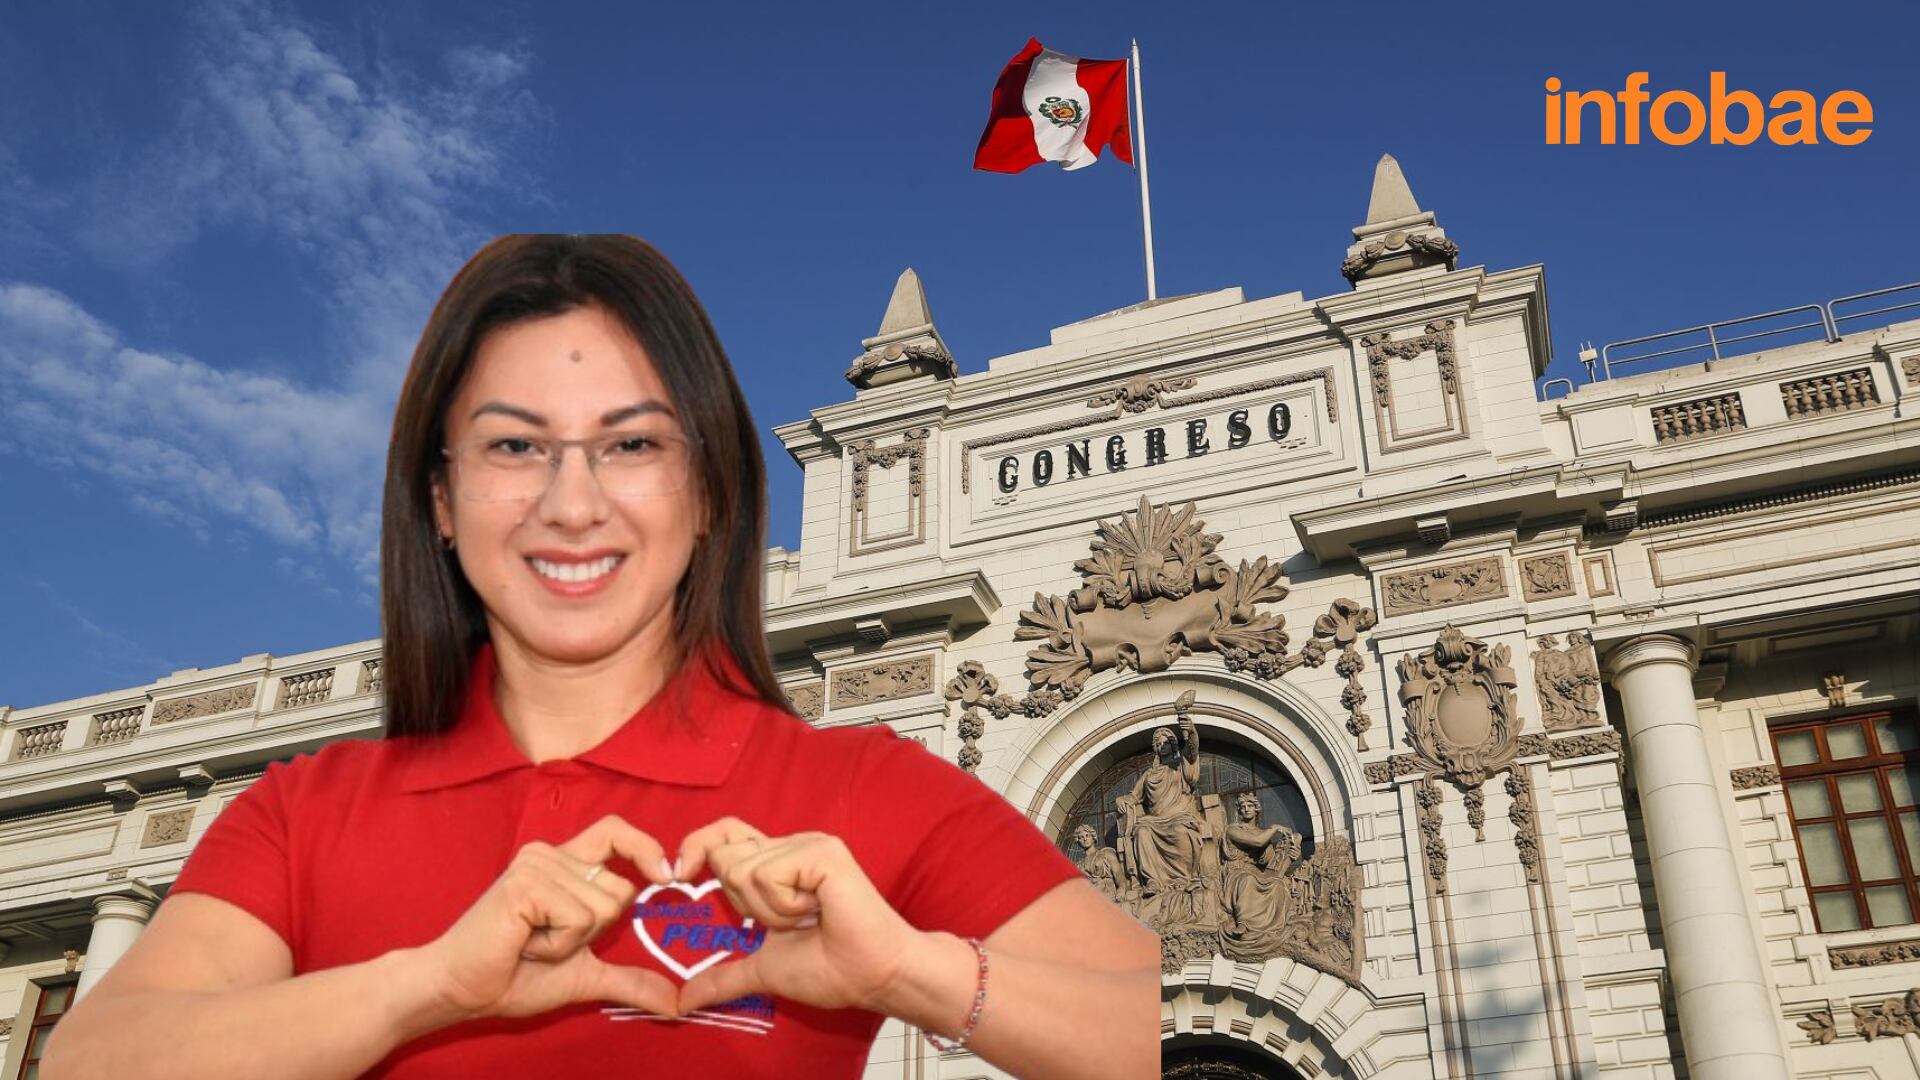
(431, 619)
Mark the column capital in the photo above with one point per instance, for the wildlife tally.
(116, 905)
(1652, 649)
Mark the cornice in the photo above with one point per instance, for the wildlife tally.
(1366, 523)
(965, 599)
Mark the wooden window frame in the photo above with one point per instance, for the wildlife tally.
(43, 1020)
(1877, 763)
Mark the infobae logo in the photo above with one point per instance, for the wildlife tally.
(1789, 118)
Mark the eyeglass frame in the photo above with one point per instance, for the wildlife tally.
(560, 447)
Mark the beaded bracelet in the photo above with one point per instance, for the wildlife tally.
(979, 1002)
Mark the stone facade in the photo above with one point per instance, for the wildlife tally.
(1432, 724)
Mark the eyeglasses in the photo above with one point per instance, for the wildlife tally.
(512, 468)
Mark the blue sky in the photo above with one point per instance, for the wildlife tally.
(222, 225)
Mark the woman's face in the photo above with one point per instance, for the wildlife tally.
(559, 377)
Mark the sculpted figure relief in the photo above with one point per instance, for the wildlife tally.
(1257, 878)
(1101, 864)
(1211, 887)
(1168, 837)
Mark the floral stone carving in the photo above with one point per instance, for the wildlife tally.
(1155, 591)
(1894, 1016)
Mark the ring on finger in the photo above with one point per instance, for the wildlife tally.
(595, 870)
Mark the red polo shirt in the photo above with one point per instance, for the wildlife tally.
(373, 845)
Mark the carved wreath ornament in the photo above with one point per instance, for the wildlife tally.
(1155, 591)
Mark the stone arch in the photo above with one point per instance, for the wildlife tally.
(1312, 1023)
(1056, 757)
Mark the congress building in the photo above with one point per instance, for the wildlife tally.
(1444, 721)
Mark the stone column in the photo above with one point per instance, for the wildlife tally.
(117, 921)
(1728, 1016)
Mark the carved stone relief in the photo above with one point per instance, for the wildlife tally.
(1526, 826)
(975, 688)
(1155, 591)
(808, 699)
(1461, 723)
(1214, 882)
(167, 827)
(1818, 1025)
(1355, 266)
(1460, 707)
(1433, 841)
(1911, 365)
(1755, 776)
(928, 356)
(1532, 744)
(1604, 741)
(1860, 956)
(865, 457)
(1430, 587)
(1382, 350)
(1567, 682)
(1544, 577)
(206, 704)
(1894, 1016)
(1140, 393)
(1342, 626)
(882, 682)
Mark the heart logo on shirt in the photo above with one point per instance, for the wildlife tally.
(692, 931)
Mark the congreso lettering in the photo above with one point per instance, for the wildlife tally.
(1194, 438)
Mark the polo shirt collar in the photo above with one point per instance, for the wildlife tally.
(690, 732)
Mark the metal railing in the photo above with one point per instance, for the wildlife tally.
(1835, 320)
(1715, 339)
(1715, 342)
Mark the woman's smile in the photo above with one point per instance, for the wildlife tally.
(576, 578)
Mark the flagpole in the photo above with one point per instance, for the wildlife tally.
(1140, 134)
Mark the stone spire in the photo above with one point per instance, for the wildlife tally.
(1398, 234)
(907, 345)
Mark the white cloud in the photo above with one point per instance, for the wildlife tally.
(364, 177)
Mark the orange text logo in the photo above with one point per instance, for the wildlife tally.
(1790, 117)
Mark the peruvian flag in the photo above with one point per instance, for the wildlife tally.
(1049, 106)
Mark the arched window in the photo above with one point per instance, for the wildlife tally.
(1226, 770)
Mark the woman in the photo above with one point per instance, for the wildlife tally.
(595, 839)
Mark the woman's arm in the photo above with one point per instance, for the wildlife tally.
(208, 989)
(1073, 989)
(206, 979)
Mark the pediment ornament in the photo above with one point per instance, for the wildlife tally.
(1155, 590)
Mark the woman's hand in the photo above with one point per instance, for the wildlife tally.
(832, 940)
(522, 948)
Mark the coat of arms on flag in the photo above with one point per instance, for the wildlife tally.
(1048, 106)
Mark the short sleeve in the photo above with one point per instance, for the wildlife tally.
(243, 857)
(953, 854)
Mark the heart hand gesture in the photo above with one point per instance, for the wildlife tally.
(832, 940)
(523, 947)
